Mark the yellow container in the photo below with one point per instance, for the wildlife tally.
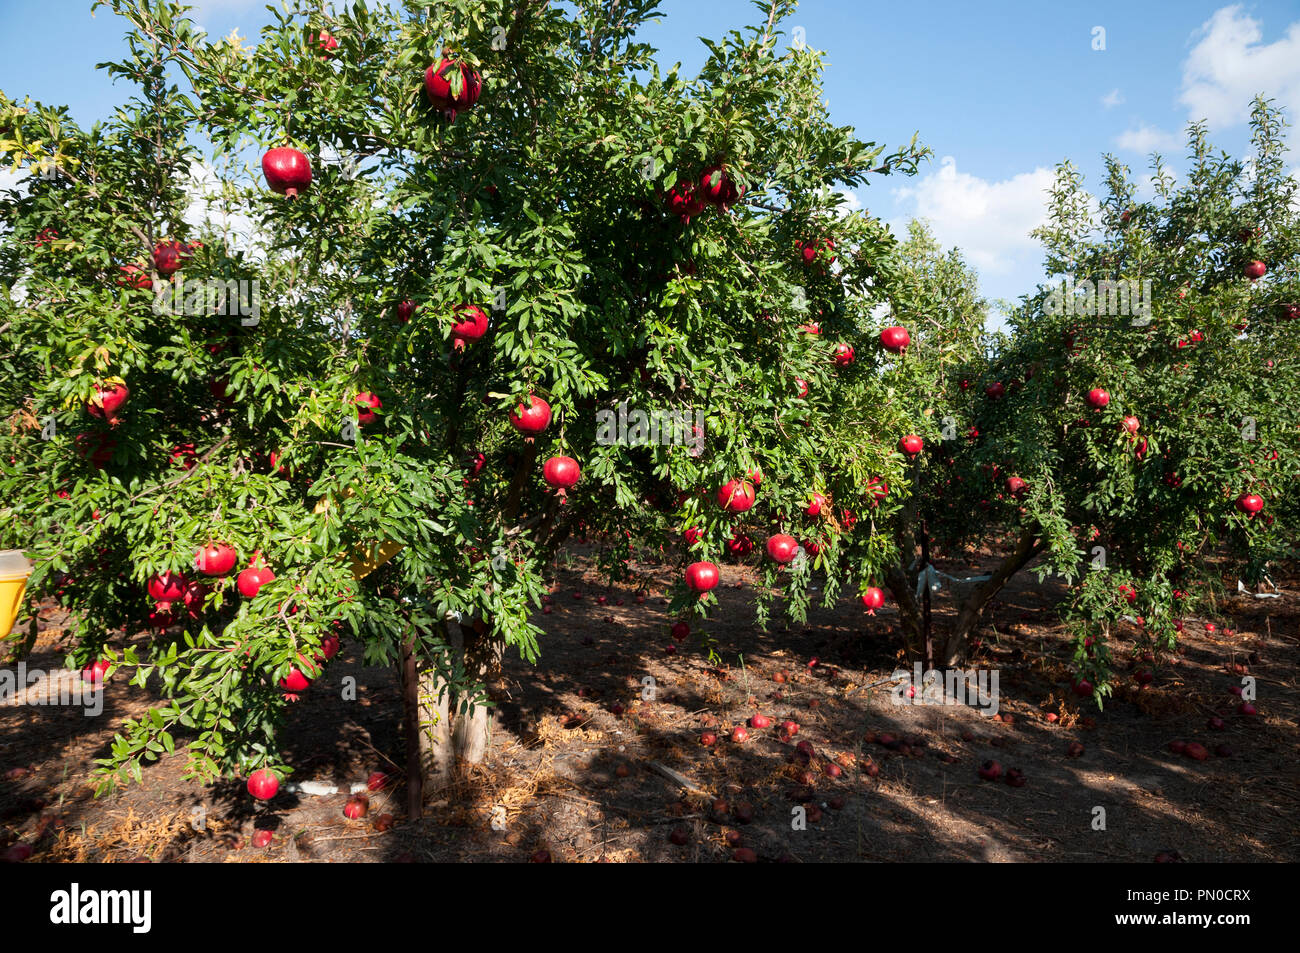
(365, 559)
(14, 570)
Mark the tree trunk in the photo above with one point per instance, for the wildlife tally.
(434, 727)
(954, 649)
(902, 583)
(909, 614)
(410, 681)
(472, 722)
(447, 729)
(927, 621)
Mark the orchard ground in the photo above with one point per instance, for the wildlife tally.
(577, 780)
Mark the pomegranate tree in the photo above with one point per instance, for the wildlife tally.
(1126, 450)
(575, 246)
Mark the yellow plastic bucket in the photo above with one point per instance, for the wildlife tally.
(365, 559)
(14, 570)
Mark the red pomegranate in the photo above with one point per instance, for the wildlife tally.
(740, 546)
(1098, 398)
(470, 324)
(452, 87)
(263, 784)
(107, 400)
(96, 671)
(843, 355)
(895, 339)
(692, 535)
(736, 496)
(184, 455)
(701, 576)
(685, 201)
(873, 599)
(216, 559)
(295, 682)
(251, 580)
(1130, 424)
(878, 489)
(167, 587)
(1250, 503)
(325, 42)
(406, 311)
(561, 473)
(782, 548)
(533, 418)
(809, 250)
(802, 385)
(717, 186)
(911, 445)
(1256, 270)
(133, 276)
(169, 257)
(368, 407)
(287, 171)
(995, 390)
(1015, 486)
(817, 504)
(329, 647)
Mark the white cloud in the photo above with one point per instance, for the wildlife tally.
(1147, 139)
(9, 179)
(1145, 184)
(989, 221)
(207, 206)
(1230, 64)
(1113, 98)
(850, 202)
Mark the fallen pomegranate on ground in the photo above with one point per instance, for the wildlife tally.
(1196, 751)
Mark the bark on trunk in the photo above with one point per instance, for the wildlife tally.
(452, 729)
(410, 681)
(434, 728)
(909, 614)
(473, 720)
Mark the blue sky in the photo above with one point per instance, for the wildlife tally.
(1000, 91)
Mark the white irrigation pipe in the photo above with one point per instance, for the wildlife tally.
(1261, 595)
(317, 789)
